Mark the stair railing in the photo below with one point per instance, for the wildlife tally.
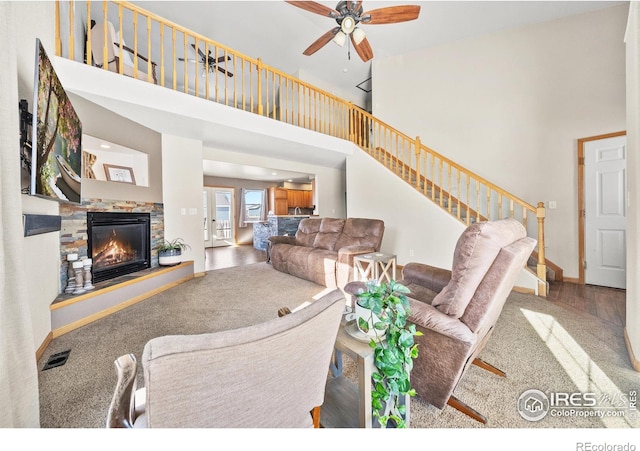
(194, 64)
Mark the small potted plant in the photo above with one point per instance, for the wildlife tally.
(170, 252)
(394, 349)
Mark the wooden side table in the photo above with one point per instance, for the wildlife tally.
(348, 404)
(374, 266)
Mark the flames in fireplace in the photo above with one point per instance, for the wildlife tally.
(114, 251)
(118, 242)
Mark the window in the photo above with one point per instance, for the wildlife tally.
(254, 203)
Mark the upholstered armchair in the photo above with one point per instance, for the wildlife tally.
(456, 310)
(117, 60)
(267, 375)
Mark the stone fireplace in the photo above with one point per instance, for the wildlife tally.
(74, 228)
(118, 243)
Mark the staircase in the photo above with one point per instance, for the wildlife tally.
(266, 91)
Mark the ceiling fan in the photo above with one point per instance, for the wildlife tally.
(348, 14)
(209, 61)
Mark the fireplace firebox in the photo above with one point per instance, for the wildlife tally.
(119, 243)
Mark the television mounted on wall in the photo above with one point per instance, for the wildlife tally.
(56, 160)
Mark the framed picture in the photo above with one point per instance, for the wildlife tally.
(119, 174)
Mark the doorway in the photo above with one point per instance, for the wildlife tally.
(602, 199)
(218, 207)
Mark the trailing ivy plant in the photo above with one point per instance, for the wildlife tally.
(394, 349)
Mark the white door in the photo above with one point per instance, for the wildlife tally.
(605, 211)
(218, 217)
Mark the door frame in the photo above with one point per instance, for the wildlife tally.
(581, 198)
(233, 208)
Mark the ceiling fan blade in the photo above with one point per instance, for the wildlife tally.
(364, 49)
(391, 14)
(316, 8)
(321, 42)
(220, 59)
(224, 71)
(200, 52)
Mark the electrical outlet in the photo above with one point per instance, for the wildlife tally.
(411, 253)
(552, 204)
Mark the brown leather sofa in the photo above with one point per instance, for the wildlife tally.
(322, 249)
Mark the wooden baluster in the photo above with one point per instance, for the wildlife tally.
(174, 59)
(121, 45)
(161, 54)
(440, 182)
(149, 68)
(57, 29)
(417, 151)
(259, 75)
(449, 189)
(88, 49)
(477, 200)
(105, 55)
(196, 70)
(135, 46)
(542, 266)
(459, 193)
(71, 34)
(499, 205)
(186, 69)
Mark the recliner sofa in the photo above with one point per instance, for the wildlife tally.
(322, 249)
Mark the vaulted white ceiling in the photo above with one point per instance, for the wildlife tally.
(279, 32)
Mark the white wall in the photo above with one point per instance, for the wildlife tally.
(182, 194)
(42, 252)
(510, 106)
(633, 171)
(413, 224)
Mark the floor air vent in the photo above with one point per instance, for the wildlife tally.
(58, 359)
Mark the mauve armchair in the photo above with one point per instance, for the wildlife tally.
(269, 375)
(456, 310)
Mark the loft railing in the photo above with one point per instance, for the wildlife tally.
(149, 47)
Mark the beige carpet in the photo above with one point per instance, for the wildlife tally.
(589, 356)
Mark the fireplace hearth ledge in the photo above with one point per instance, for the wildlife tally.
(71, 312)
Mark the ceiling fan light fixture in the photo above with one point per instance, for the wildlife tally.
(358, 35)
(340, 38)
(347, 25)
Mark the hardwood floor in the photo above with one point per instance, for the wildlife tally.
(608, 304)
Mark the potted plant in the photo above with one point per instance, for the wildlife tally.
(170, 252)
(394, 349)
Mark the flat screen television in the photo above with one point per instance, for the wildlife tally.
(56, 160)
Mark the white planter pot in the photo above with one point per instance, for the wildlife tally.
(170, 258)
(370, 318)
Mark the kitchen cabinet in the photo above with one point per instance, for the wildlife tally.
(300, 198)
(278, 201)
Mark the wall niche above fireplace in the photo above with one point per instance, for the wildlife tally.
(118, 242)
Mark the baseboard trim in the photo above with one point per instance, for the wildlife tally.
(43, 347)
(572, 280)
(634, 362)
(524, 290)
